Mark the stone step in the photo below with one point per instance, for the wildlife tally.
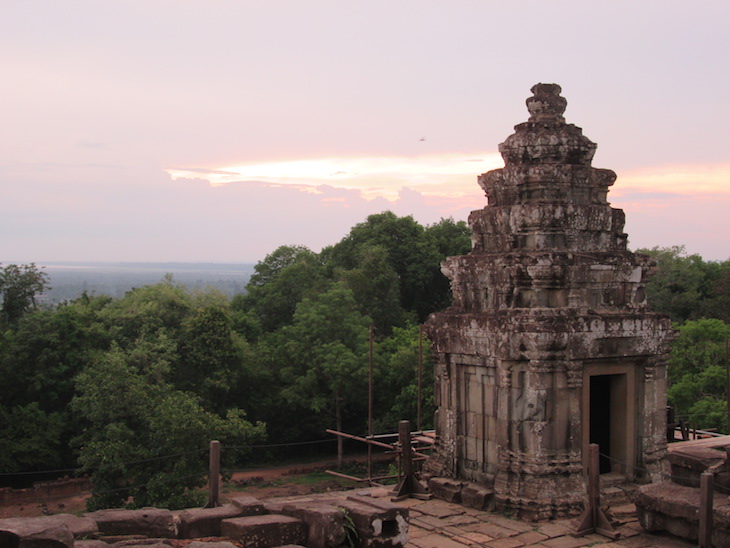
(618, 494)
(613, 496)
(265, 531)
(623, 514)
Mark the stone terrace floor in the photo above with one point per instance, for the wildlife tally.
(438, 524)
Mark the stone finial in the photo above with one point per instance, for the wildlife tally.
(546, 103)
(545, 138)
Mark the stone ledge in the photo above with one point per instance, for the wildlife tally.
(674, 508)
(321, 522)
(446, 489)
(151, 522)
(205, 522)
(473, 495)
(265, 531)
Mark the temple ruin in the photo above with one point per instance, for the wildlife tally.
(549, 344)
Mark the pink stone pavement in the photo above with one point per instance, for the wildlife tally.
(438, 524)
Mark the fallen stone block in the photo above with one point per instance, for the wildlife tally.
(249, 506)
(674, 508)
(688, 463)
(377, 522)
(31, 535)
(90, 543)
(146, 543)
(265, 531)
(325, 523)
(273, 507)
(150, 522)
(446, 489)
(211, 544)
(79, 527)
(205, 522)
(114, 539)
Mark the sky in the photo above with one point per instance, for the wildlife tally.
(156, 130)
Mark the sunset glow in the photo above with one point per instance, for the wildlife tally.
(686, 179)
(219, 132)
(447, 175)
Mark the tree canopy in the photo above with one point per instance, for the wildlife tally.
(19, 287)
(695, 294)
(686, 287)
(132, 389)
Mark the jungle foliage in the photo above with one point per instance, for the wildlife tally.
(131, 390)
(695, 294)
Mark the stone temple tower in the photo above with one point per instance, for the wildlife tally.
(549, 344)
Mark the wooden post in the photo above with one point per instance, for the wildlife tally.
(404, 437)
(706, 495)
(214, 474)
(409, 485)
(420, 376)
(593, 520)
(671, 425)
(727, 388)
(370, 406)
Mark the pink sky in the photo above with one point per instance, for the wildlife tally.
(199, 131)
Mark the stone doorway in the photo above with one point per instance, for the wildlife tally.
(608, 417)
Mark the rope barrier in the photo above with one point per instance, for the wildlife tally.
(39, 472)
(164, 457)
(203, 472)
(271, 445)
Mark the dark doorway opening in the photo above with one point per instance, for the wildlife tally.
(600, 419)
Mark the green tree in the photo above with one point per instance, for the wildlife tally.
(718, 304)
(711, 413)
(698, 373)
(699, 345)
(327, 349)
(404, 240)
(146, 310)
(213, 359)
(39, 357)
(396, 380)
(268, 270)
(281, 280)
(19, 287)
(32, 439)
(414, 253)
(685, 286)
(46, 348)
(142, 438)
(376, 288)
(451, 237)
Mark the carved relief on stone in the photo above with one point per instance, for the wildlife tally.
(504, 375)
(574, 372)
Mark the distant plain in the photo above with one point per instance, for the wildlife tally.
(68, 280)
